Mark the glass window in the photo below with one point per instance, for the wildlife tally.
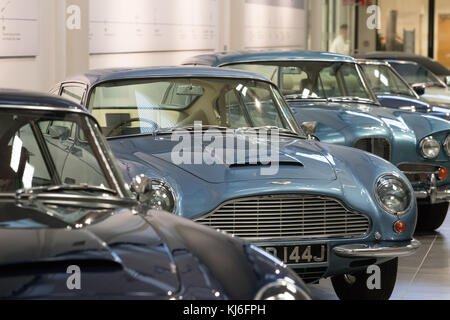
(414, 73)
(316, 80)
(73, 93)
(385, 81)
(42, 151)
(403, 27)
(145, 106)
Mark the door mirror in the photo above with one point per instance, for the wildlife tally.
(447, 80)
(309, 128)
(141, 186)
(59, 132)
(419, 89)
(313, 138)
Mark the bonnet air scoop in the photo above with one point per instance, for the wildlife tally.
(270, 164)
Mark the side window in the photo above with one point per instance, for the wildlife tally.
(73, 93)
(31, 164)
(74, 160)
(270, 72)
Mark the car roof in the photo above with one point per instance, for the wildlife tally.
(427, 62)
(223, 58)
(95, 77)
(19, 98)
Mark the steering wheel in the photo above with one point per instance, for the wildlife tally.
(153, 124)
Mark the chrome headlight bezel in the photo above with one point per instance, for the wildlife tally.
(147, 189)
(447, 146)
(406, 187)
(427, 141)
(162, 187)
(282, 289)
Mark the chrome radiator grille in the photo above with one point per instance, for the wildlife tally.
(377, 146)
(287, 217)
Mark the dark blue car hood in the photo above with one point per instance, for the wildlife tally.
(297, 158)
(124, 249)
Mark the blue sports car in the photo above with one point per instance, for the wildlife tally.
(222, 148)
(332, 100)
(393, 91)
(71, 229)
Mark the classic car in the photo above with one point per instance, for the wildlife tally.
(332, 100)
(326, 211)
(393, 91)
(71, 228)
(434, 66)
(428, 85)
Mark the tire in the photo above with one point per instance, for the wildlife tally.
(431, 216)
(354, 287)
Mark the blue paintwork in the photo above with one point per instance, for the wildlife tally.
(420, 106)
(126, 251)
(221, 59)
(328, 170)
(345, 123)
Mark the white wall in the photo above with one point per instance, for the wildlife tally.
(52, 65)
(35, 73)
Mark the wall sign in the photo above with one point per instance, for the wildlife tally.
(118, 26)
(275, 23)
(19, 28)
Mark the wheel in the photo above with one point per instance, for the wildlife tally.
(355, 286)
(431, 216)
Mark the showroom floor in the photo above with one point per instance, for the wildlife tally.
(423, 276)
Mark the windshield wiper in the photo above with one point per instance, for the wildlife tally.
(67, 187)
(188, 128)
(282, 131)
(298, 96)
(351, 99)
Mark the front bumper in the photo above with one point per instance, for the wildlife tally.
(429, 183)
(376, 251)
(433, 193)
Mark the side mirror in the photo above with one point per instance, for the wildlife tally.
(309, 128)
(313, 138)
(141, 186)
(447, 80)
(419, 89)
(153, 194)
(59, 132)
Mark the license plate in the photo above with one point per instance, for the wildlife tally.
(298, 255)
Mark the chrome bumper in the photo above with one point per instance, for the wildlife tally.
(376, 251)
(433, 193)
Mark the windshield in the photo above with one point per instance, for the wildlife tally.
(133, 107)
(414, 73)
(312, 79)
(383, 80)
(51, 149)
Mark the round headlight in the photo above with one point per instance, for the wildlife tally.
(153, 193)
(282, 290)
(430, 148)
(393, 194)
(447, 146)
(161, 197)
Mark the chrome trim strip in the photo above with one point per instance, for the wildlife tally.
(376, 251)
